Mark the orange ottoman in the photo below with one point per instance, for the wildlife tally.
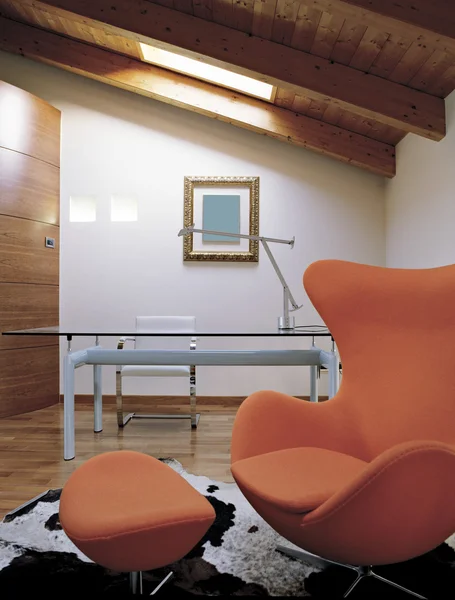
(129, 512)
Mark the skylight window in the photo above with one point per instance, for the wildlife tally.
(201, 70)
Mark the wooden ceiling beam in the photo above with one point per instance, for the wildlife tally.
(197, 96)
(430, 22)
(304, 74)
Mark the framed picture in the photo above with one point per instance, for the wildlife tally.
(226, 205)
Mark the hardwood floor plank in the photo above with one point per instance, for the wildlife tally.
(31, 447)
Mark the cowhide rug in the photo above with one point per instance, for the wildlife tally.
(236, 557)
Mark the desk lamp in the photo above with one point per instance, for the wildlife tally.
(285, 322)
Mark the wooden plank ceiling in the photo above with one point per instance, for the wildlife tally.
(352, 77)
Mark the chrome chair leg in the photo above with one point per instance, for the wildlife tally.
(160, 585)
(194, 416)
(136, 587)
(311, 558)
(359, 577)
(136, 582)
(400, 587)
(123, 420)
(362, 572)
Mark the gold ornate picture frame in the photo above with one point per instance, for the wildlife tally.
(231, 249)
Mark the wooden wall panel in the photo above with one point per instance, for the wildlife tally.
(23, 254)
(29, 379)
(29, 187)
(29, 125)
(25, 306)
(29, 272)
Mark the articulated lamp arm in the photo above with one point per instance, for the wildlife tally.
(284, 322)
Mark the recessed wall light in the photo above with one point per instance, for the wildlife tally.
(123, 208)
(82, 209)
(200, 70)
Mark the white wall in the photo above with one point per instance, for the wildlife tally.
(420, 201)
(115, 142)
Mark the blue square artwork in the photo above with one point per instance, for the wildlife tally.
(220, 213)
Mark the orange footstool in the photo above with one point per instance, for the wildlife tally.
(129, 512)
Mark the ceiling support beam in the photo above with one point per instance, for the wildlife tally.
(304, 74)
(203, 98)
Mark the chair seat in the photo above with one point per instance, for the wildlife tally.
(155, 371)
(296, 480)
(128, 511)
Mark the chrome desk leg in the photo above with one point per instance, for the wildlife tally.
(97, 396)
(68, 408)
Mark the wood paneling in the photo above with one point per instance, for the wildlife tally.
(197, 96)
(392, 41)
(34, 15)
(23, 255)
(433, 69)
(348, 41)
(432, 22)
(369, 49)
(29, 125)
(302, 73)
(223, 12)
(284, 21)
(29, 272)
(29, 187)
(306, 27)
(263, 17)
(29, 379)
(327, 34)
(413, 59)
(408, 43)
(24, 306)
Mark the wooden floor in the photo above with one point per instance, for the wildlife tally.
(31, 446)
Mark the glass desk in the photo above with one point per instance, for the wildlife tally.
(97, 356)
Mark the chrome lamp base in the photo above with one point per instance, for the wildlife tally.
(362, 572)
(286, 323)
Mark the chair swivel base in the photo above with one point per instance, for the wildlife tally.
(136, 583)
(124, 420)
(362, 572)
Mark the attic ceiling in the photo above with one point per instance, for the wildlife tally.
(351, 77)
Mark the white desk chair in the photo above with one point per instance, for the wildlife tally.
(155, 325)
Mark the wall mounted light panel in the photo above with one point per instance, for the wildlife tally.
(82, 209)
(123, 208)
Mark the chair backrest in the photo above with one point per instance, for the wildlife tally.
(167, 324)
(395, 331)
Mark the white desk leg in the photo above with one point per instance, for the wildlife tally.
(334, 372)
(314, 384)
(313, 379)
(68, 408)
(97, 397)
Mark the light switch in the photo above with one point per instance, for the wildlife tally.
(49, 242)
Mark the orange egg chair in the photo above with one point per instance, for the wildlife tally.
(368, 477)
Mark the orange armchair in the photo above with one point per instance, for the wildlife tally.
(368, 477)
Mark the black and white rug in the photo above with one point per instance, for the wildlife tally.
(237, 557)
